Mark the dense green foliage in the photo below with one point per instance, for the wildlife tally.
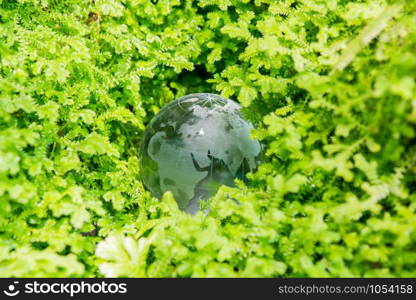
(329, 85)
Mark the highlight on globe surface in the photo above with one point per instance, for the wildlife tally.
(207, 138)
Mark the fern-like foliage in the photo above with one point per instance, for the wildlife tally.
(330, 86)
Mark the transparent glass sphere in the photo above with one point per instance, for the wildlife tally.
(194, 145)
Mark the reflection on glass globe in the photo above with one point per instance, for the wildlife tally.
(193, 146)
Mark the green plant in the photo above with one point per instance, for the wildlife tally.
(330, 86)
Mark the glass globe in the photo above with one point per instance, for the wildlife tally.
(194, 145)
